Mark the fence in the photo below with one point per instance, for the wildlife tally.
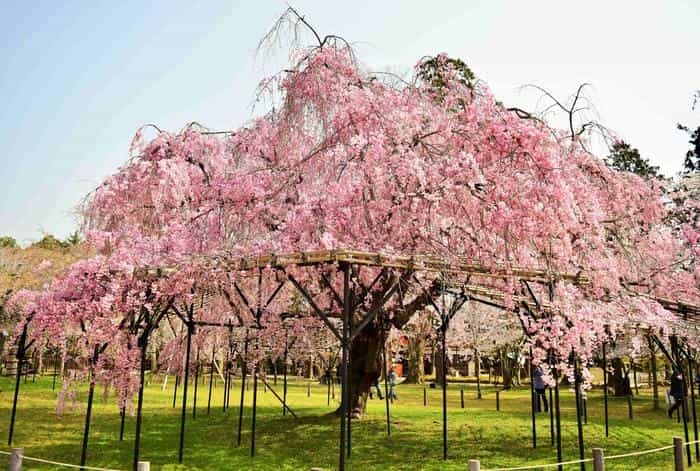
(599, 459)
(17, 457)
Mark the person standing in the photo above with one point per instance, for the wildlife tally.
(392, 377)
(540, 388)
(677, 391)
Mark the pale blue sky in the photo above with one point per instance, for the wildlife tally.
(78, 78)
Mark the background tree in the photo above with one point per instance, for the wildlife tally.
(7, 241)
(73, 239)
(50, 242)
(692, 157)
(626, 158)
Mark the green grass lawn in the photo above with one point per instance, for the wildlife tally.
(498, 438)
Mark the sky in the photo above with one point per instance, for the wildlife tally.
(79, 78)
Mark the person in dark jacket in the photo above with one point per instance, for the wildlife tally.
(540, 388)
(375, 385)
(677, 391)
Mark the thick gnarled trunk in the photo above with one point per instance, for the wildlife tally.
(365, 366)
(416, 353)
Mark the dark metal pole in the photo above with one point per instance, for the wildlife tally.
(284, 373)
(386, 392)
(533, 401)
(579, 426)
(684, 402)
(55, 373)
(185, 382)
(122, 412)
(20, 360)
(244, 372)
(226, 378)
(255, 405)
(655, 384)
(605, 390)
(551, 417)
(196, 383)
(329, 380)
(177, 381)
(443, 328)
(695, 417)
(558, 419)
(345, 344)
(211, 377)
(137, 440)
(88, 414)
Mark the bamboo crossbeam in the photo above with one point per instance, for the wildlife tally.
(416, 263)
(679, 307)
(419, 263)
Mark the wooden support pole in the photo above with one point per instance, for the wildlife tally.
(498, 400)
(598, 460)
(16, 459)
(679, 463)
(425, 396)
(461, 398)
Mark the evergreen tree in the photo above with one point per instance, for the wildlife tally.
(626, 158)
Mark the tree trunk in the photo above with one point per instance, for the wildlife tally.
(365, 367)
(416, 351)
(40, 363)
(619, 379)
(655, 383)
(477, 372)
(439, 373)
